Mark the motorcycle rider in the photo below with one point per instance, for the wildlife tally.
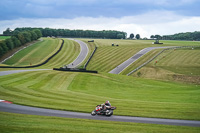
(105, 106)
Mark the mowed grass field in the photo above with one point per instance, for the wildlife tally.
(140, 61)
(68, 54)
(108, 57)
(39, 52)
(35, 53)
(30, 123)
(179, 64)
(82, 92)
(182, 61)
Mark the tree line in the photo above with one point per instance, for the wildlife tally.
(108, 34)
(17, 39)
(179, 36)
(21, 36)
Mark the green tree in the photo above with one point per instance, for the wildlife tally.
(16, 41)
(15, 33)
(1, 51)
(137, 36)
(21, 38)
(27, 36)
(7, 32)
(131, 36)
(38, 32)
(33, 35)
(9, 43)
(158, 37)
(152, 36)
(120, 36)
(4, 46)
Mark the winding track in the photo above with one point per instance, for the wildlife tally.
(134, 58)
(13, 108)
(83, 54)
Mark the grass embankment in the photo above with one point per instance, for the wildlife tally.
(108, 57)
(30, 123)
(40, 51)
(68, 54)
(141, 61)
(81, 92)
(4, 37)
(180, 64)
(34, 54)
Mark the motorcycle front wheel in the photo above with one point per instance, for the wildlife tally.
(93, 113)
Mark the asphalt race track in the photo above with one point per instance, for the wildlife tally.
(13, 108)
(131, 60)
(83, 54)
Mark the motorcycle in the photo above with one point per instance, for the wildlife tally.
(100, 111)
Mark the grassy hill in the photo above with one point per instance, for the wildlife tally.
(34, 54)
(108, 57)
(82, 91)
(68, 54)
(180, 65)
(163, 98)
(40, 51)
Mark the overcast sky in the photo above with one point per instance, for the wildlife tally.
(144, 17)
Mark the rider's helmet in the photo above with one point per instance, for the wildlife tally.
(107, 103)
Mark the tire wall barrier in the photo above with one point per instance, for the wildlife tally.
(40, 63)
(75, 70)
(157, 56)
(90, 57)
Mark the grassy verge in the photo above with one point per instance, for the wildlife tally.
(30, 123)
(81, 92)
(180, 64)
(182, 61)
(141, 61)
